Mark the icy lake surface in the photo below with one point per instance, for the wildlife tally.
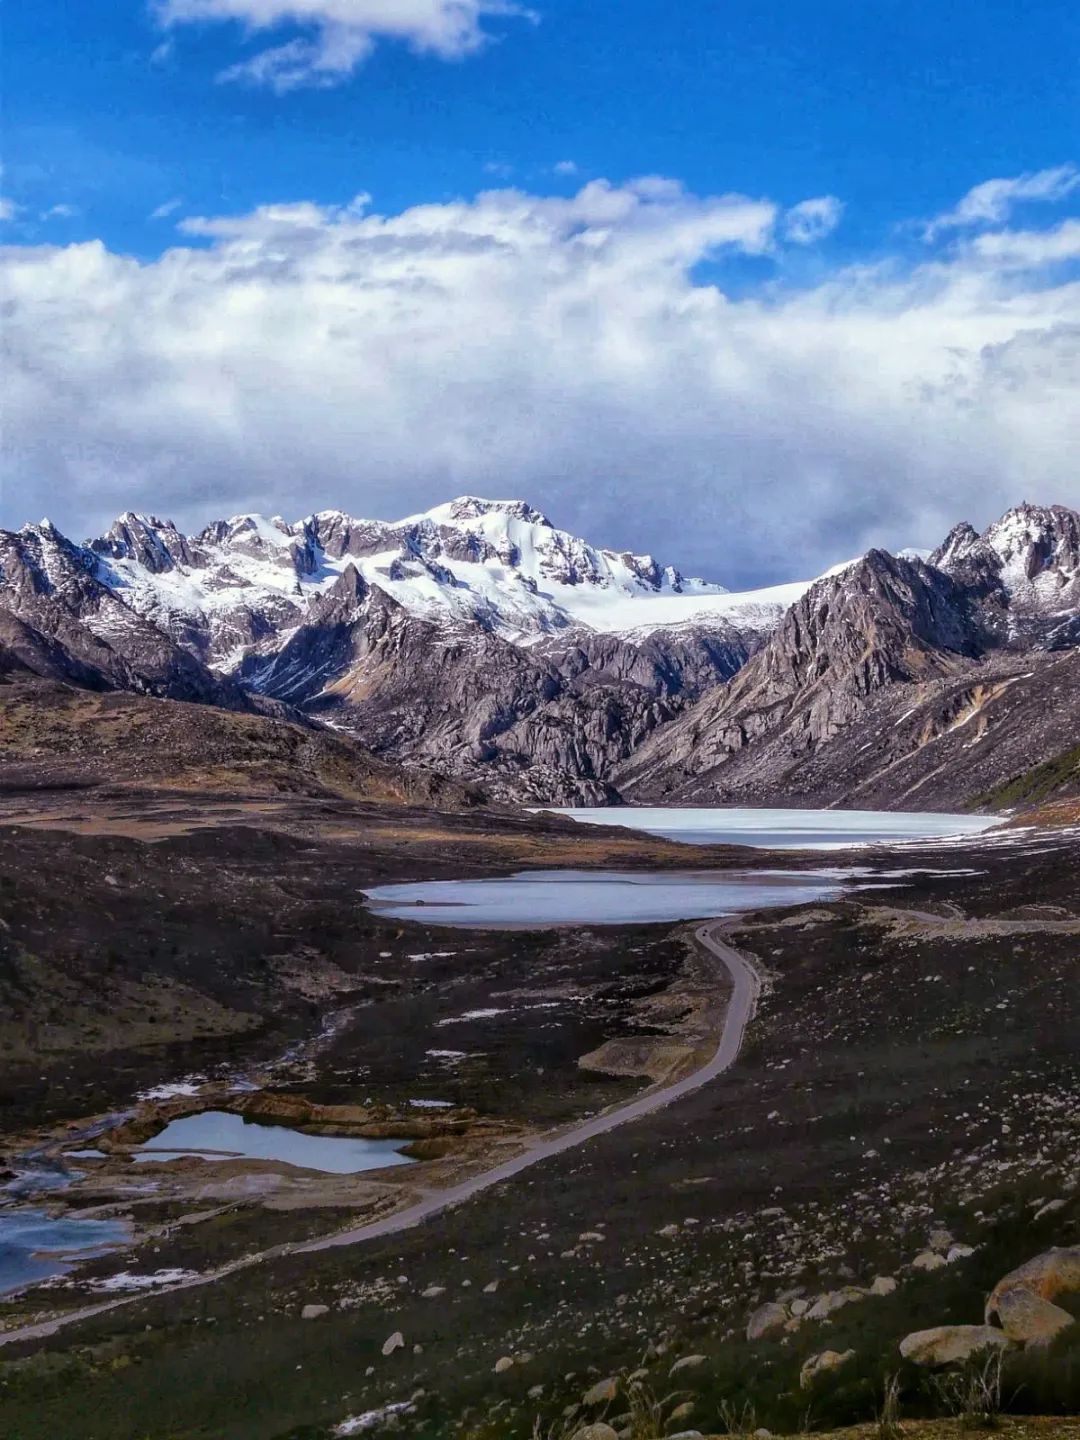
(612, 897)
(220, 1135)
(25, 1232)
(783, 829)
(569, 897)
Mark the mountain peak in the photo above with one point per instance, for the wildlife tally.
(475, 507)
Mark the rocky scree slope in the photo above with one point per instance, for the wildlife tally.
(893, 674)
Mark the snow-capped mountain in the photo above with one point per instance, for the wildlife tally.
(480, 640)
(230, 592)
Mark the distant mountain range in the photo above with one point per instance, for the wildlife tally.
(480, 641)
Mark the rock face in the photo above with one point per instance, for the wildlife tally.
(951, 1344)
(480, 641)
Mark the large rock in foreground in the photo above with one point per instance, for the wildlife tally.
(1013, 1304)
(951, 1344)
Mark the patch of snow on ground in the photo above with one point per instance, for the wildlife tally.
(488, 1014)
(127, 1281)
(191, 1086)
(357, 1424)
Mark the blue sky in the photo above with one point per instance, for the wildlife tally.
(124, 120)
(898, 105)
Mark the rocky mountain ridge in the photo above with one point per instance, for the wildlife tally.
(480, 641)
(860, 694)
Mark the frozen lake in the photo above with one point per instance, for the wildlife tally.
(220, 1135)
(607, 897)
(23, 1233)
(783, 829)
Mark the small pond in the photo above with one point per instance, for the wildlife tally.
(220, 1135)
(28, 1239)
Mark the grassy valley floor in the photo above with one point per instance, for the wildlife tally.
(909, 1086)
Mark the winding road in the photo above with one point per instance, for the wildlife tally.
(745, 988)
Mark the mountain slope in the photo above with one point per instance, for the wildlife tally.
(895, 682)
(476, 638)
(52, 601)
(480, 641)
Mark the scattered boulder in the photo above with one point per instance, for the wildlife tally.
(433, 1292)
(928, 1260)
(1050, 1208)
(833, 1300)
(1055, 1272)
(394, 1342)
(883, 1285)
(504, 1363)
(951, 1344)
(817, 1364)
(599, 1431)
(1030, 1319)
(313, 1312)
(681, 1412)
(766, 1318)
(602, 1393)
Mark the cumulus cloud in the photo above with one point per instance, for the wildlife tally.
(8, 208)
(337, 35)
(992, 202)
(565, 349)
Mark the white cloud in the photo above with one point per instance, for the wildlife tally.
(563, 349)
(565, 167)
(165, 209)
(812, 220)
(8, 208)
(992, 202)
(339, 34)
(60, 212)
(1027, 249)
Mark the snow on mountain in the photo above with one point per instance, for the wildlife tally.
(242, 585)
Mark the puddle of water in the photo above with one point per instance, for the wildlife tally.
(610, 897)
(220, 1135)
(23, 1233)
(782, 829)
